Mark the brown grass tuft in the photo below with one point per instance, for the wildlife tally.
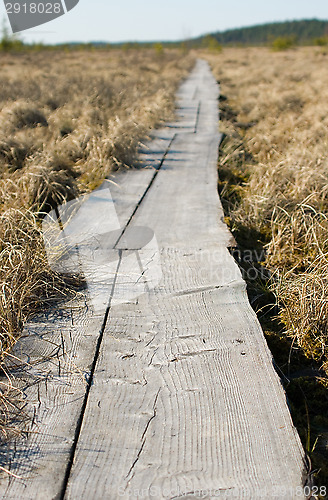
(26, 281)
(13, 153)
(50, 184)
(20, 115)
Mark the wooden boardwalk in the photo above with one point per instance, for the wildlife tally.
(158, 383)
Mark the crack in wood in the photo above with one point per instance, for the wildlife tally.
(150, 341)
(194, 353)
(130, 474)
(197, 117)
(196, 290)
(202, 289)
(62, 494)
(128, 356)
(152, 357)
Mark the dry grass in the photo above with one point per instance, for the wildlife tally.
(282, 122)
(81, 113)
(67, 119)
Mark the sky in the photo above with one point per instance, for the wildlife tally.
(149, 20)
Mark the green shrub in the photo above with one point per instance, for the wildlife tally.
(283, 43)
(321, 41)
(158, 47)
(212, 44)
(9, 42)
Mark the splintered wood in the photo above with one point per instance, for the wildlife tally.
(157, 381)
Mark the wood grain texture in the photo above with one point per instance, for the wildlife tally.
(184, 401)
(56, 355)
(185, 398)
(187, 405)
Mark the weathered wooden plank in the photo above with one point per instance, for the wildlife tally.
(52, 375)
(127, 187)
(174, 408)
(186, 190)
(185, 398)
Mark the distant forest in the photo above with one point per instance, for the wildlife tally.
(303, 31)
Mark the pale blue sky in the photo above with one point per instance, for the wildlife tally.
(112, 20)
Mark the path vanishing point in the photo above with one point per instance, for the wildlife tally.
(156, 382)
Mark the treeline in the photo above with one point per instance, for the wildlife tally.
(279, 36)
(304, 32)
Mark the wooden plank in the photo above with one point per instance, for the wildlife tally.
(172, 406)
(56, 355)
(187, 186)
(127, 187)
(172, 409)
